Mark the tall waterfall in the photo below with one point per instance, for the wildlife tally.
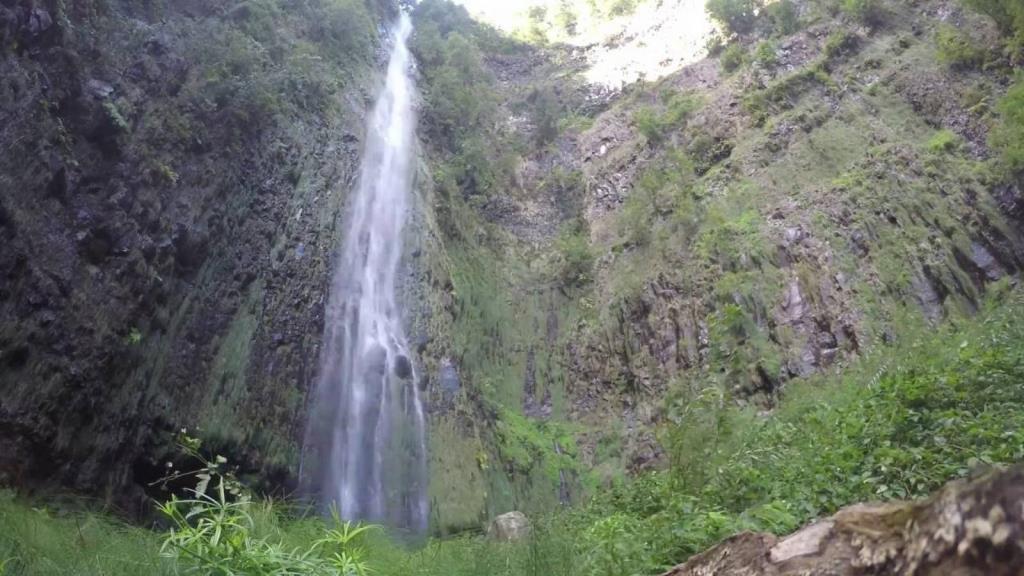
(368, 432)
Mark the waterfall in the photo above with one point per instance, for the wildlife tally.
(368, 433)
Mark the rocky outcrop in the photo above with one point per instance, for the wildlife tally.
(169, 202)
(971, 528)
(509, 527)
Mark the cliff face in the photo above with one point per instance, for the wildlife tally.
(583, 259)
(170, 186)
(813, 194)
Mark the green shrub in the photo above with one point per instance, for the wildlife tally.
(620, 7)
(653, 124)
(784, 17)
(1008, 134)
(714, 45)
(662, 193)
(865, 11)
(1007, 14)
(567, 19)
(114, 117)
(733, 57)
(944, 141)
(546, 112)
(766, 54)
(575, 257)
(840, 43)
(346, 29)
(735, 16)
(897, 425)
(217, 529)
(956, 49)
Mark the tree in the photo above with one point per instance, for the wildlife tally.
(736, 16)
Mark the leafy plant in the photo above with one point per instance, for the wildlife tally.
(784, 17)
(114, 116)
(575, 257)
(840, 43)
(1008, 15)
(766, 54)
(214, 531)
(654, 124)
(957, 50)
(865, 11)
(735, 16)
(1008, 134)
(944, 141)
(733, 57)
(714, 45)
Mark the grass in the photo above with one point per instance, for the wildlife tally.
(37, 540)
(896, 424)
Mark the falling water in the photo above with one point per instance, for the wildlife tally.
(369, 432)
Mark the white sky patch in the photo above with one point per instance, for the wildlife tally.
(658, 38)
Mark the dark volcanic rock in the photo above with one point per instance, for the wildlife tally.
(968, 529)
(140, 288)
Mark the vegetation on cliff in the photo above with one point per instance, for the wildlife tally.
(739, 297)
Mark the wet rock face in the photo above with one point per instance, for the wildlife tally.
(140, 288)
(968, 528)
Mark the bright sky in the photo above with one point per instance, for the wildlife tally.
(657, 39)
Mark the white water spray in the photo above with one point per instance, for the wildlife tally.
(369, 431)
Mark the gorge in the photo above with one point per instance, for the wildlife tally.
(637, 276)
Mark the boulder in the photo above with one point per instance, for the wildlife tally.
(509, 527)
(968, 529)
(403, 367)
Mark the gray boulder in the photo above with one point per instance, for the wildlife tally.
(509, 527)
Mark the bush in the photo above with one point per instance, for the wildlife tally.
(567, 19)
(865, 11)
(546, 113)
(733, 57)
(1007, 14)
(766, 55)
(217, 530)
(653, 124)
(1008, 135)
(957, 50)
(735, 16)
(784, 17)
(575, 257)
(840, 43)
(944, 141)
(714, 45)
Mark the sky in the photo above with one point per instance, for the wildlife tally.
(657, 39)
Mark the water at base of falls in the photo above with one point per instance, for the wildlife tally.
(367, 438)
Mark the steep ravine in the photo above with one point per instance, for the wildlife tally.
(580, 261)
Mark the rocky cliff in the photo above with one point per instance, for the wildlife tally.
(170, 189)
(818, 191)
(586, 256)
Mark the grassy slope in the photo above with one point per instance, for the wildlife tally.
(896, 424)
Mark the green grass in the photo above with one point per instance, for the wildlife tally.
(896, 424)
(37, 540)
